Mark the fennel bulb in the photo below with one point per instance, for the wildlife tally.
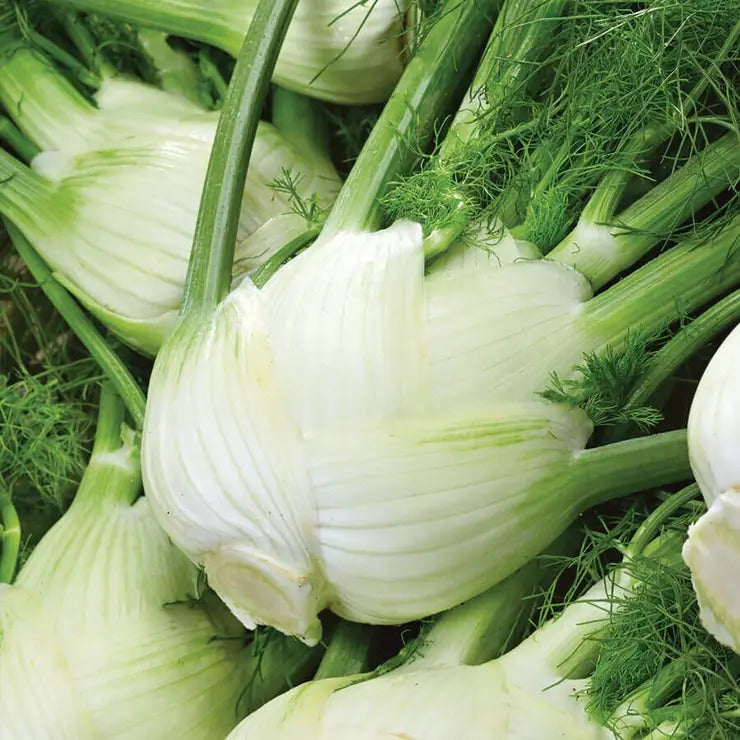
(334, 50)
(544, 688)
(337, 440)
(111, 202)
(712, 550)
(98, 636)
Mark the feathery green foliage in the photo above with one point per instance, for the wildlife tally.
(616, 80)
(48, 389)
(656, 646)
(603, 382)
(308, 208)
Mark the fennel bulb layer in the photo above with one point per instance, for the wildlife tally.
(712, 550)
(526, 694)
(99, 638)
(308, 445)
(113, 209)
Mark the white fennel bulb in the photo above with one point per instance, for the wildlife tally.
(111, 202)
(549, 686)
(317, 443)
(99, 637)
(526, 694)
(712, 550)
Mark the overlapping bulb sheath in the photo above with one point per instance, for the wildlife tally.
(712, 550)
(353, 435)
(100, 636)
(111, 201)
(337, 50)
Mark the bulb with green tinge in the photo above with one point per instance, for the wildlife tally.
(712, 550)
(359, 436)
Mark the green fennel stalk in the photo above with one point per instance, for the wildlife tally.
(111, 364)
(408, 119)
(10, 538)
(209, 269)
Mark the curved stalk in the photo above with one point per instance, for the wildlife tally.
(111, 364)
(209, 270)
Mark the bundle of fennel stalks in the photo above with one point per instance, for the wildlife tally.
(369, 370)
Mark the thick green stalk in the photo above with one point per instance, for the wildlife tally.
(604, 200)
(47, 110)
(429, 86)
(209, 270)
(113, 473)
(347, 652)
(653, 525)
(602, 251)
(10, 538)
(111, 415)
(67, 60)
(212, 74)
(676, 351)
(301, 120)
(111, 364)
(685, 343)
(607, 472)
(680, 280)
(90, 50)
(519, 38)
(12, 136)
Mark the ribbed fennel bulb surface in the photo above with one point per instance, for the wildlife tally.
(111, 201)
(346, 52)
(551, 685)
(336, 439)
(712, 550)
(93, 641)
